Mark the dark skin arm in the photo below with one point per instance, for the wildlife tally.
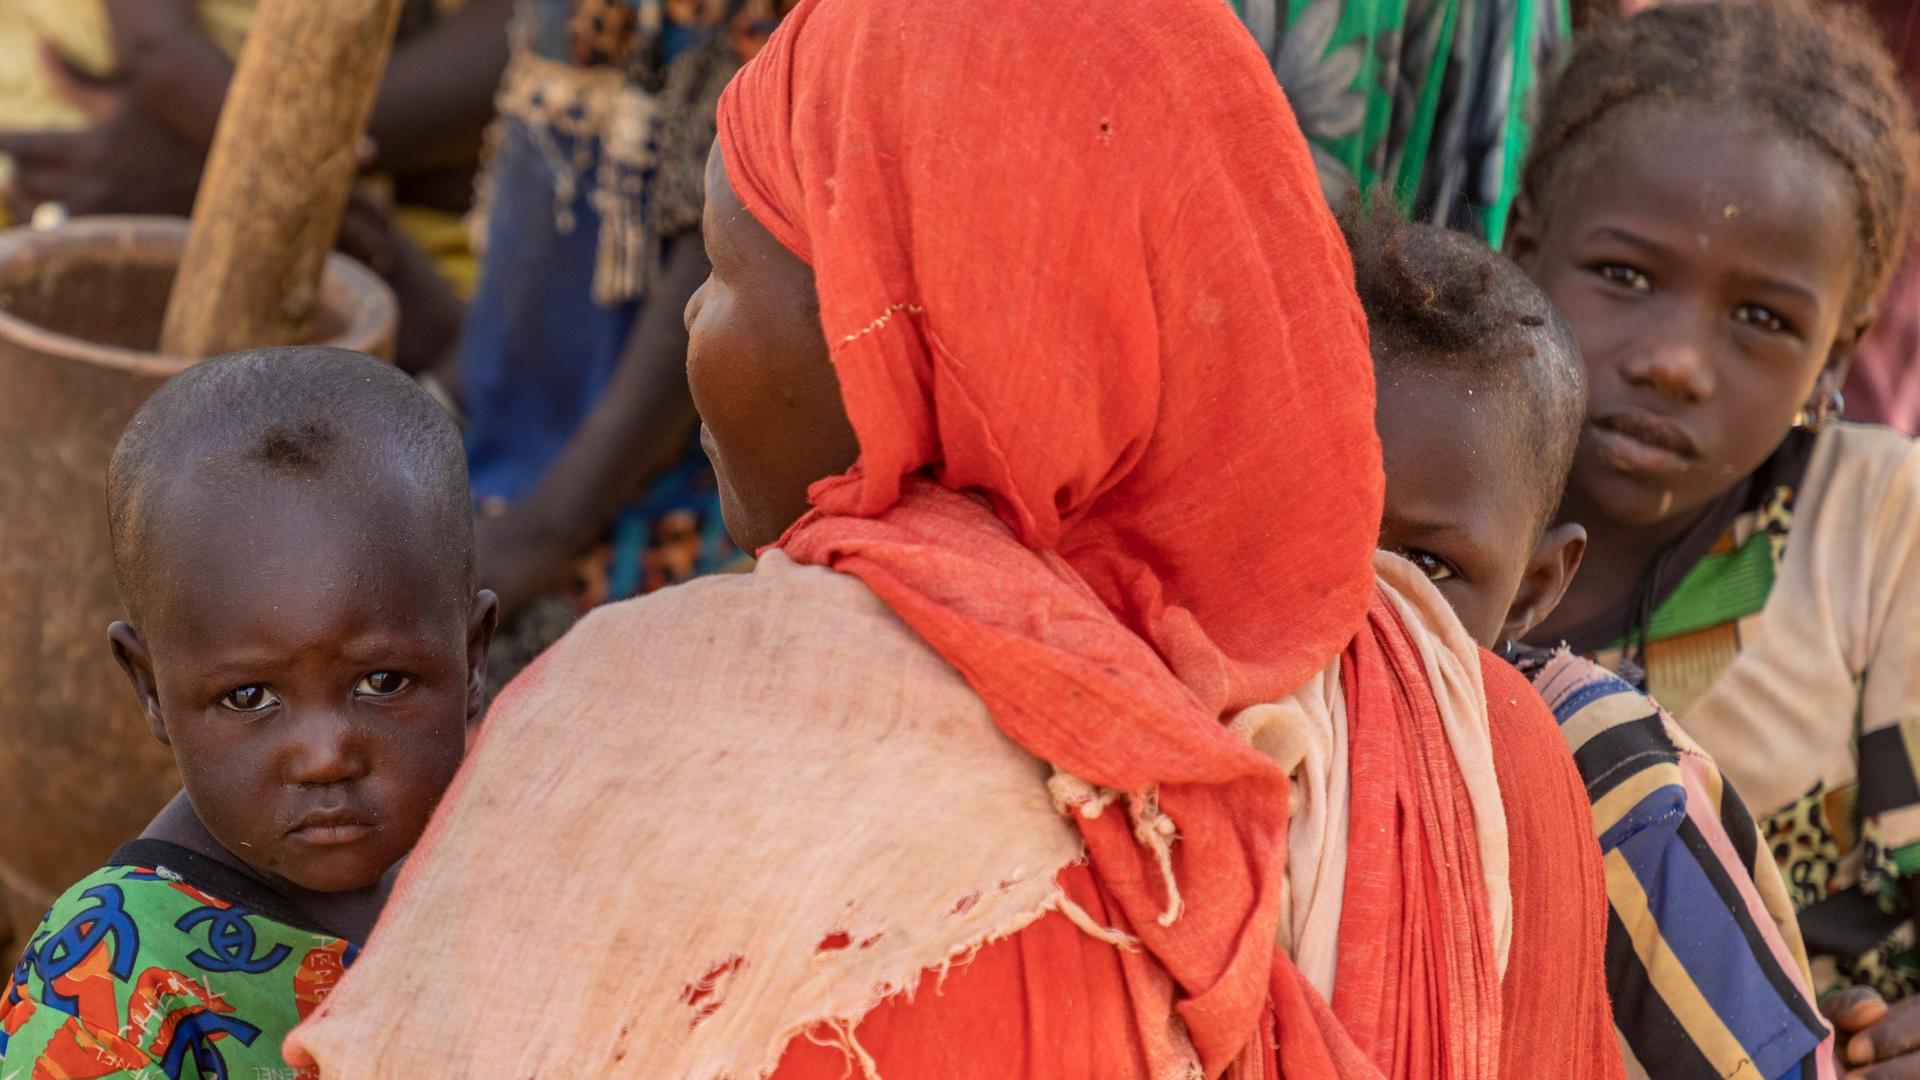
(1871, 1038)
(434, 102)
(437, 97)
(430, 310)
(125, 161)
(154, 120)
(177, 74)
(634, 431)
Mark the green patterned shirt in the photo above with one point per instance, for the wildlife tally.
(165, 963)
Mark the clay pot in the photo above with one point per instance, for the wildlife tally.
(80, 313)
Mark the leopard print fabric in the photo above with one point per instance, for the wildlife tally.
(1805, 847)
(1821, 850)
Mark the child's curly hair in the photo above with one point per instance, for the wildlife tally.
(1441, 302)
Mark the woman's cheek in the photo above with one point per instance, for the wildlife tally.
(700, 349)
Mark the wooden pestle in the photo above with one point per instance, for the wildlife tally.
(284, 160)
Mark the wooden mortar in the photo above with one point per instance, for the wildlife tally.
(81, 308)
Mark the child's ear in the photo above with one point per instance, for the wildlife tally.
(1555, 559)
(482, 619)
(1523, 234)
(1826, 402)
(1839, 362)
(131, 652)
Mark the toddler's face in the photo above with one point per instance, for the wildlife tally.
(1460, 502)
(313, 662)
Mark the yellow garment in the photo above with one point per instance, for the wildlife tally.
(28, 100)
(443, 235)
(79, 29)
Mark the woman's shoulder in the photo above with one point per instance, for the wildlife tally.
(774, 591)
(802, 635)
(762, 797)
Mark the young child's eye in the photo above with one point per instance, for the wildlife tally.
(1436, 568)
(1764, 318)
(1625, 276)
(250, 698)
(382, 684)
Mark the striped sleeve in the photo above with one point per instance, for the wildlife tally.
(1708, 978)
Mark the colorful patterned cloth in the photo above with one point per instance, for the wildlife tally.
(1705, 964)
(1847, 831)
(1427, 97)
(165, 964)
(606, 116)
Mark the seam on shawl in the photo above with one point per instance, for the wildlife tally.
(940, 355)
(884, 318)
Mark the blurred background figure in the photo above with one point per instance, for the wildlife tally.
(1428, 98)
(582, 434)
(109, 107)
(593, 118)
(1884, 385)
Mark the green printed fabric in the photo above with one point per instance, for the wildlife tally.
(1429, 99)
(164, 967)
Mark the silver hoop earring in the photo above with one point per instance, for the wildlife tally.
(1831, 406)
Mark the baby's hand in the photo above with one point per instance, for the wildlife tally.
(1874, 1040)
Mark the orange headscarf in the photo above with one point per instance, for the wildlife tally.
(1087, 276)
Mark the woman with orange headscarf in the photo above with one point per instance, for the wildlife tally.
(1069, 726)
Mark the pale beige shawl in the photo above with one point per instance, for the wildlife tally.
(1307, 735)
(667, 817)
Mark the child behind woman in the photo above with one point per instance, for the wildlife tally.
(1479, 408)
(1755, 562)
(294, 550)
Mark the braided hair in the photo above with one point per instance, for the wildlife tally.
(1817, 70)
